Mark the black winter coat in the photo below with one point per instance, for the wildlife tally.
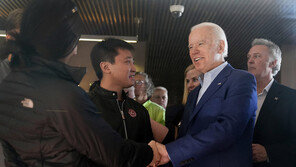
(47, 120)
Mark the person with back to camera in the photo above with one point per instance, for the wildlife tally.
(46, 118)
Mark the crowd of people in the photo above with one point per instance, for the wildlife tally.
(228, 117)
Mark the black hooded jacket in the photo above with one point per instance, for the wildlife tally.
(47, 120)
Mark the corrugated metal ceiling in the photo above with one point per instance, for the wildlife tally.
(166, 37)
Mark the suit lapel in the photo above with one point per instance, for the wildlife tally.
(214, 86)
(190, 105)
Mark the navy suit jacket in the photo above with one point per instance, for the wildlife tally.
(217, 132)
(276, 127)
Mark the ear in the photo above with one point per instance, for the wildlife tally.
(9, 57)
(105, 67)
(272, 64)
(221, 46)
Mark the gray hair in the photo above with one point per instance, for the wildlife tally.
(148, 82)
(275, 52)
(218, 33)
(160, 88)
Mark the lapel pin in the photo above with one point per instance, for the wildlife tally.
(276, 98)
(74, 10)
(219, 83)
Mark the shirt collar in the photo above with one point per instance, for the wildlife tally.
(211, 75)
(267, 87)
(104, 92)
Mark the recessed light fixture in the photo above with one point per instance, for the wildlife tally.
(95, 38)
(99, 38)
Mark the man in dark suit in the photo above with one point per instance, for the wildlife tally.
(218, 121)
(274, 142)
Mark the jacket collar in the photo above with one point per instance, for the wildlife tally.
(270, 102)
(104, 92)
(214, 86)
(62, 70)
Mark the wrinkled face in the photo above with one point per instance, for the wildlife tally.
(191, 79)
(205, 51)
(140, 85)
(259, 63)
(123, 69)
(160, 97)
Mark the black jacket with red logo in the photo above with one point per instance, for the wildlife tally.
(136, 118)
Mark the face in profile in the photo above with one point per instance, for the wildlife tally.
(123, 69)
(259, 63)
(191, 79)
(205, 51)
(160, 97)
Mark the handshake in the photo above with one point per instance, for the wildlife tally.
(160, 154)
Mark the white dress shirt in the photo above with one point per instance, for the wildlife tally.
(261, 97)
(207, 78)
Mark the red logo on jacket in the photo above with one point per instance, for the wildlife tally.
(132, 113)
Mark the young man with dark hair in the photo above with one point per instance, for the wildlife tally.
(113, 62)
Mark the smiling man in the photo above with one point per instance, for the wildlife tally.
(113, 62)
(219, 116)
(274, 142)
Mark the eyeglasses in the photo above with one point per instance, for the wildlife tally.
(139, 82)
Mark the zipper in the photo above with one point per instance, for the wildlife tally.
(123, 117)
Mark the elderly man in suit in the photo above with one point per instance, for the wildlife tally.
(219, 116)
(274, 142)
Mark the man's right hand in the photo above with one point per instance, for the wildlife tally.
(156, 155)
(163, 153)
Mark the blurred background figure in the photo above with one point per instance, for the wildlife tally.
(143, 87)
(174, 113)
(13, 22)
(160, 96)
(143, 91)
(190, 82)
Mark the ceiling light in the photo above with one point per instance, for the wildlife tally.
(95, 38)
(99, 38)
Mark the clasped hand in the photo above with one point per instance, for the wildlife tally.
(160, 154)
